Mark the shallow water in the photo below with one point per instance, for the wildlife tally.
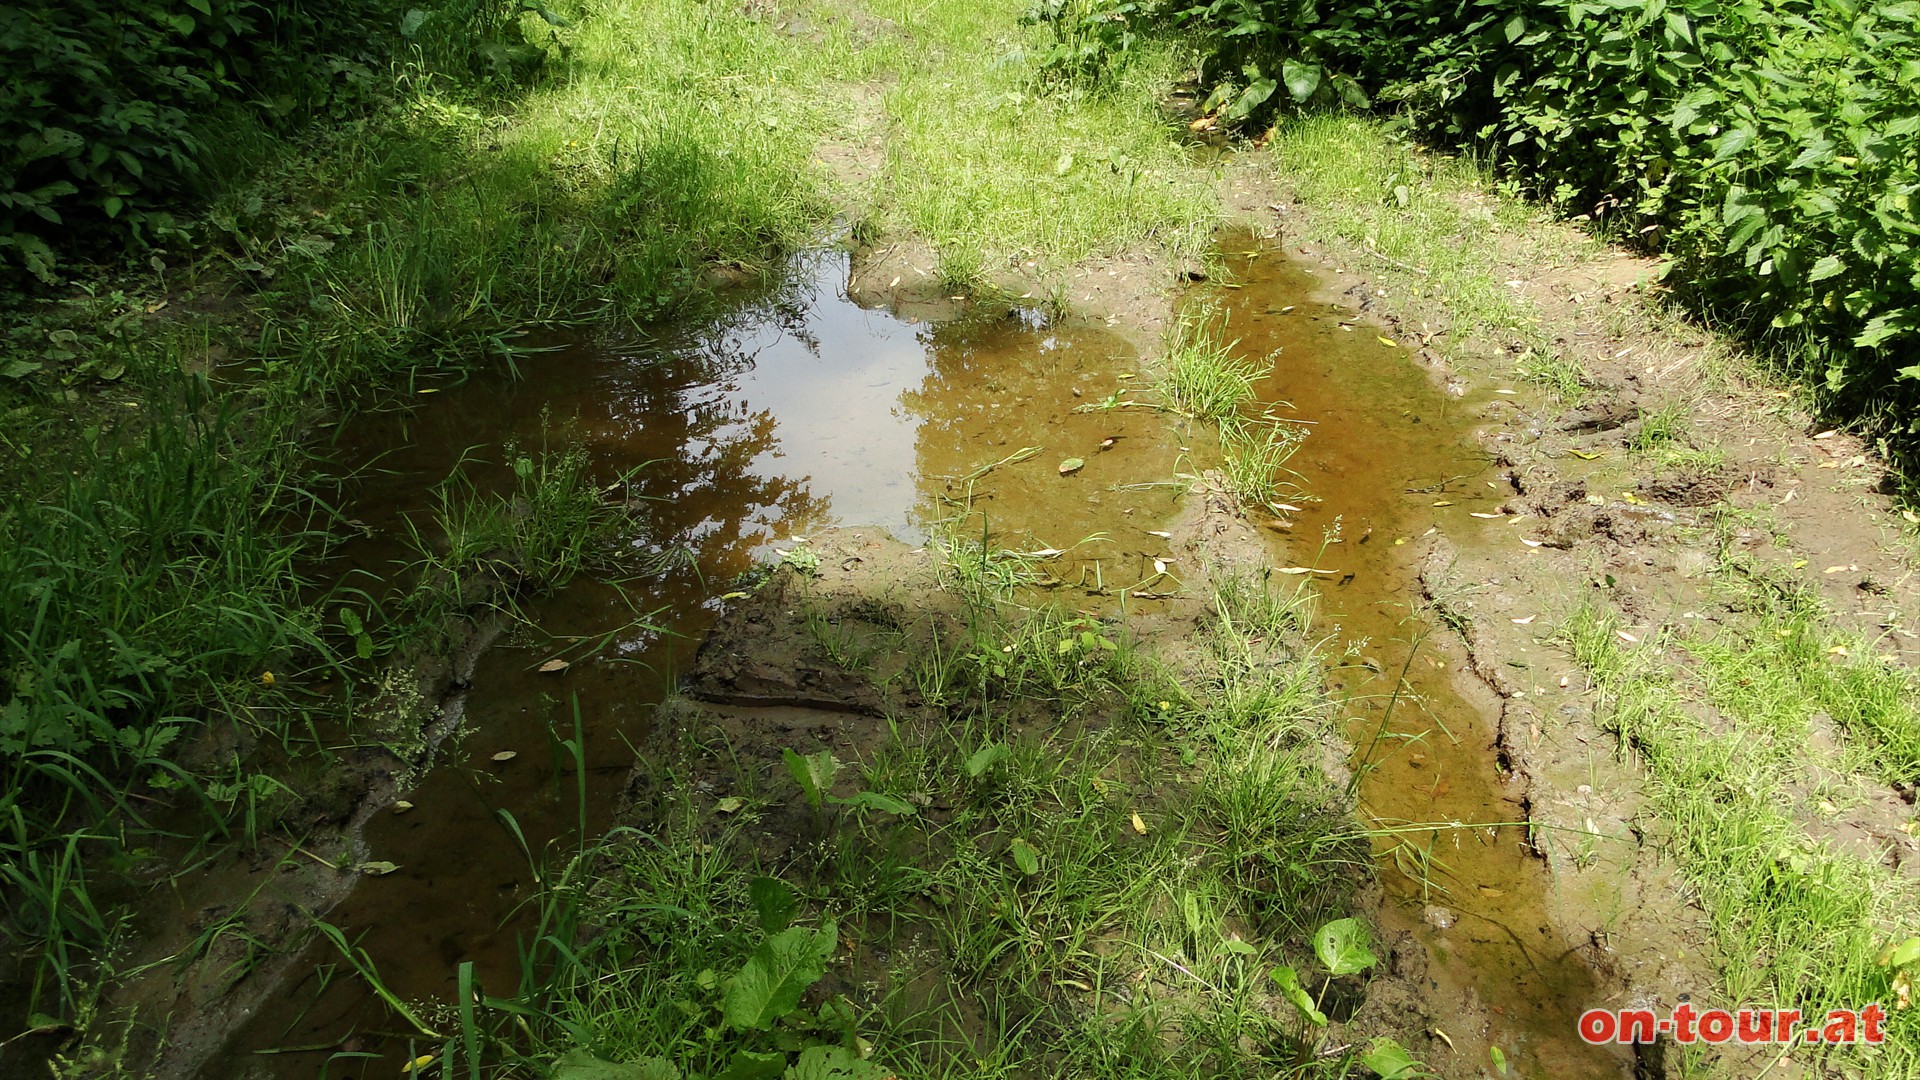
(1389, 458)
(798, 409)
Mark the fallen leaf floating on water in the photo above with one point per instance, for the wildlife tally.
(1478, 514)
(730, 804)
(506, 755)
(1159, 566)
(1139, 826)
(402, 806)
(1072, 465)
(1107, 443)
(1303, 570)
(1387, 341)
(1491, 891)
(1043, 553)
(555, 666)
(1444, 502)
(1161, 535)
(1288, 507)
(377, 868)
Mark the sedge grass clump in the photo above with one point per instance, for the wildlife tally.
(1204, 379)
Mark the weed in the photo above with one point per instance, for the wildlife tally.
(1204, 379)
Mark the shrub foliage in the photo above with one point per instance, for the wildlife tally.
(1770, 147)
(104, 104)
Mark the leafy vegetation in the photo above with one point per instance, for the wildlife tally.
(1767, 149)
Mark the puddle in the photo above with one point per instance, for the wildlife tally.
(801, 410)
(1385, 447)
(798, 410)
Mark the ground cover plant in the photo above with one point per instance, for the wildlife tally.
(1766, 148)
(1072, 857)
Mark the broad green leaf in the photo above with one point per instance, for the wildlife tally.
(747, 1065)
(411, 22)
(1072, 465)
(1827, 266)
(1499, 1059)
(774, 902)
(781, 969)
(833, 1063)
(1514, 28)
(581, 1065)
(182, 23)
(873, 800)
(986, 758)
(814, 773)
(1302, 79)
(1254, 96)
(1907, 951)
(1026, 857)
(1290, 988)
(1390, 1060)
(1342, 946)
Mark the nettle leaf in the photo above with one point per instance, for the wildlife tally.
(1827, 266)
(781, 969)
(1342, 945)
(814, 773)
(986, 758)
(1731, 143)
(1302, 79)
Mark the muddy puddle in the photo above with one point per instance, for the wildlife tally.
(800, 409)
(1389, 465)
(797, 410)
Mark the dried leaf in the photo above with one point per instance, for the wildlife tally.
(1523, 622)
(730, 804)
(555, 666)
(1388, 342)
(1139, 826)
(402, 806)
(377, 868)
(506, 755)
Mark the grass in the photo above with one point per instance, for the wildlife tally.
(1100, 857)
(1795, 920)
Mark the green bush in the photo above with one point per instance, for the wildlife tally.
(103, 103)
(1772, 149)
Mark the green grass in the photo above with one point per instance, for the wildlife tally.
(1112, 852)
(1795, 920)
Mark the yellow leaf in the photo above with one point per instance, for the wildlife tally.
(1402, 540)
(1388, 342)
(1583, 455)
(1444, 502)
(1139, 826)
(1799, 564)
(506, 755)
(554, 666)
(418, 1063)
(267, 680)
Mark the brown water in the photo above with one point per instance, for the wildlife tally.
(1389, 458)
(799, 409)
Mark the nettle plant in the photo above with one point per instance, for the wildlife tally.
(758, 1007)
